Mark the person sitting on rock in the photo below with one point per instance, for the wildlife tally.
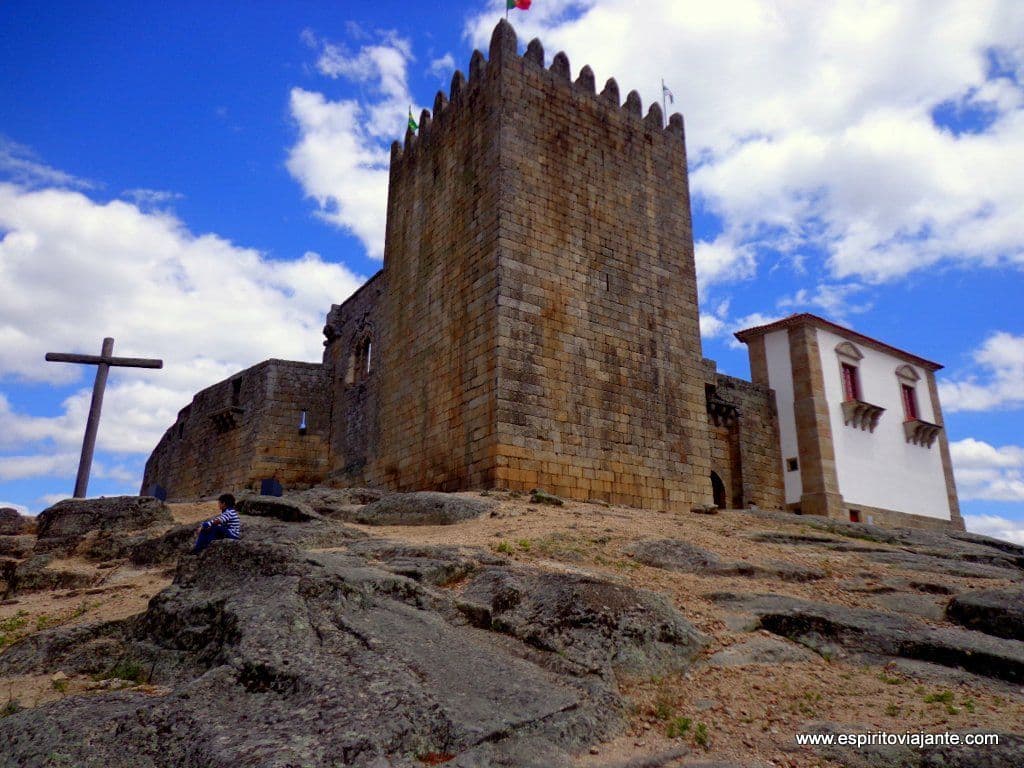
(226, 525)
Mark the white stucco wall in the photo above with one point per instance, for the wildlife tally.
(780, 378)
(880, 468)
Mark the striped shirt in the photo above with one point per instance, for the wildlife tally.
(228, 519)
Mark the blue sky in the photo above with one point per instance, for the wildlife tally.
(201, 181)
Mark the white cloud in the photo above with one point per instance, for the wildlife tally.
(341, 158)
(1001, 385)
(996, 527)
(151, 198)
(810, 125)
(722, 260)
(75, 271)
(985, 472)
(443, 67)
(19, 164)
(711, 326)
(835, 300)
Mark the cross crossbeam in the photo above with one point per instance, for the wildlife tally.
(103, 362)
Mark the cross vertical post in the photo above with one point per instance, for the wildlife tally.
(92, 425)
(103, 363)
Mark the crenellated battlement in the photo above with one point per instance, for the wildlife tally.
(503, 53)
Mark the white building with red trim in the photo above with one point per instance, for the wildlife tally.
(860, 424)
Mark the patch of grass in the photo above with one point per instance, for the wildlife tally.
(700, 736)
(968, 704)
(808, 706)
(890, 680)
(951, 710)
(60, 686)
(15, 622)
(663, 708)
(11, 625)
(125, 669)
(892, 710)
(45, 621)
(524, 544)
(13, 706)
(504, 548)
(678, 727)
(942, 697)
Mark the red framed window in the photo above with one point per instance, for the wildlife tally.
(851, 383)
(909, 402)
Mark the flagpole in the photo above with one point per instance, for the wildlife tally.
(664, 102)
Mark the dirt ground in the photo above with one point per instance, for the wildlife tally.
(748, 714)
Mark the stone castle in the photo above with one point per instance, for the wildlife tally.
(535, 324)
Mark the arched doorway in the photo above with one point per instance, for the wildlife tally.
(718, 490)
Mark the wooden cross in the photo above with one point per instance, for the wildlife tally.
(102, 363)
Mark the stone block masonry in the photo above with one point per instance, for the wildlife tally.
(244, 429)
(536, 322)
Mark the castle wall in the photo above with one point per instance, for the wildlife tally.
(600, 385)
(754, 449)
(354, 329)
(244, 429)
(437, 341)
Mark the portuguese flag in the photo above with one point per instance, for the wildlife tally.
(522, 5)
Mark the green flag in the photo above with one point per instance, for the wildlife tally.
(412, 123)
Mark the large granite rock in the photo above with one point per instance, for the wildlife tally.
(682, 556)
(833, 629)
(12, 523)
(594, 626)
(279, 508)
(76, 517)
(421, 508)
(998, 612)
(275, 655)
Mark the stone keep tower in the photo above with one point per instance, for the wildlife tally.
(535, 322)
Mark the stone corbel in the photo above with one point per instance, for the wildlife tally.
(921, 432)
(862, 415)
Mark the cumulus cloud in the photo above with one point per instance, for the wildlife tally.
(1000, 359)
(985, 472)
(76, 270)
(826, 141)
(21, 509)
(341, 157)
(996, 527)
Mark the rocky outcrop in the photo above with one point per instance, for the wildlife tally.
(275, 655)
(12, 523)
(836, 630)
(594, 626)
(63, 526)
(676, 555)
(423, 508)
(998, 612)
